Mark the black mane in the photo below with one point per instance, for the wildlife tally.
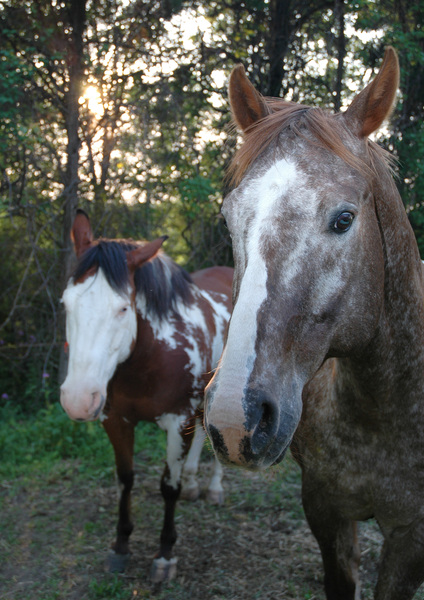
(161, 281)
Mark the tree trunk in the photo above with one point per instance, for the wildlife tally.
(77, 19)
(77, 16)
(279, 38)
(341, 51)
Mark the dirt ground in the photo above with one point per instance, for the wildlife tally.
(56, 530)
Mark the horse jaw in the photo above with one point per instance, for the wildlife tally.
(101, 328)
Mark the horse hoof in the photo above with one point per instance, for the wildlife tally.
(117, 563)
(215, 497)
(163, 570)
(191, 494)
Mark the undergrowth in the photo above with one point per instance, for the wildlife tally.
(31, 441)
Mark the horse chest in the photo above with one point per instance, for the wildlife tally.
(366, 467)
(161, 381)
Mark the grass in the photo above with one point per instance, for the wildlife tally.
(113, 588)
(40, 441)
(58, 503)
(58, 498)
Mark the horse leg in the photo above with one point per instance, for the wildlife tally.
(402, 565)
(338, 542)
(121, 435)
(215, 490)
(190, 486)
(178, 442)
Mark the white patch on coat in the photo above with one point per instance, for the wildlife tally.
(221, 316)
(195, 322)
(169, 331)
(173, 425)
(163, 329)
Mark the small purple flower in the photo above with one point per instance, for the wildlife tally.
(20, 332)
(5, 396)
(1, 342)
(46, 375)
(32, 339)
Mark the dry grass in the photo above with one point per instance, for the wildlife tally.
(56, 529)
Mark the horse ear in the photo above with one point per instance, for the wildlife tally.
(81, 234)
(135, 258)
(247, 105)
(374, 104)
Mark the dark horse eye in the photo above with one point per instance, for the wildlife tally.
(343, 222)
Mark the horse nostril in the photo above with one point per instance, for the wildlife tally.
(95, 398)
(269, 415)
(98, 397)
(266, 425)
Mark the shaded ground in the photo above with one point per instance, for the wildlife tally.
(56, 530)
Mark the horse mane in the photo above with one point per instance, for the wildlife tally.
(314, 124)
(160, 281)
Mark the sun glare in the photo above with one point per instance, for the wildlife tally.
(94, 101)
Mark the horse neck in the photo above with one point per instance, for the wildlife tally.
(393, 363)
(158, 327)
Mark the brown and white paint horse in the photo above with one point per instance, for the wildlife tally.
(144, 338)
(325, 347)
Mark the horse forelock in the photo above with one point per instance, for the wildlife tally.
(314, 124)
(110, 257)
(161, 282)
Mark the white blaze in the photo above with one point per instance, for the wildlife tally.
(263, 194)
(101, 326)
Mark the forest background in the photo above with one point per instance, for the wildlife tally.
(119, 107)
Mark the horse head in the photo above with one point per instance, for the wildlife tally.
(101, 317)
(309, 259)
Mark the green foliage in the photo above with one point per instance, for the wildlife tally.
(14, 105)
(410, 150)
(195, 192)
(38, 440)
(29, 308)
(401, 26)
(27, 441)
(154, 153)
(114, 588)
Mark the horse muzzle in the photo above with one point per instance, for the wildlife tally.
(253, 432)
(82, 406)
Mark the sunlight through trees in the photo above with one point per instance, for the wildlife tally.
(120, 108)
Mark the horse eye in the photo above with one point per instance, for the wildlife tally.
(343, 222)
